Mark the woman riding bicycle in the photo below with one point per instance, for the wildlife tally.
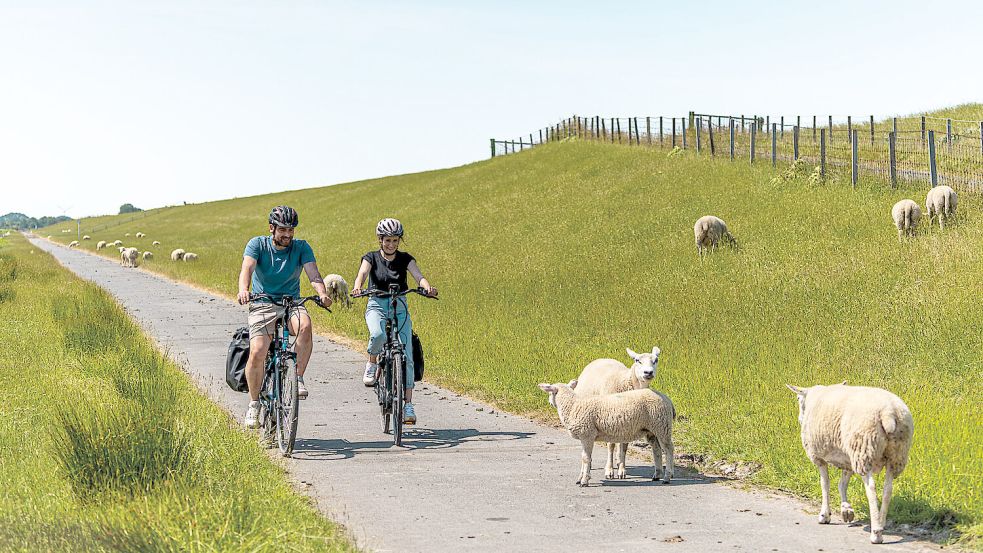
(383, 267)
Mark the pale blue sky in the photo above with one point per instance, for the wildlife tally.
(156, 103)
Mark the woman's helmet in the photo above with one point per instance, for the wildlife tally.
(283, 216)
(389, 227)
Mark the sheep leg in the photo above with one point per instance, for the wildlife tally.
(622, 460)
(824, 511)
(886, 497)
(669, 453)
(846, 511)
(609, 466)
(876, 529)
(585, 457)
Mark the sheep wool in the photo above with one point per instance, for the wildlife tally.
(337, 289)
(941, 202)
(101, 244)
(189, 257)
(128, 257)
(709, 231)
(906, 215)
(148, 255)
(177, 255)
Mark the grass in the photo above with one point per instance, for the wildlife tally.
(105, 445)
(573, 251)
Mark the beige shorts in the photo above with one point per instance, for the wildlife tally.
(263, 316)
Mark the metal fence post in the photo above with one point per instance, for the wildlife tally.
(894, 125)
(618, 122)
(767, 123)
(638, 139)
(673, 132)
(648, 130)
(683, 124)
(732, 139)
(754, 132)
(948, 133)
(795, 143)
(699, 125)
(831, 129)
(493, 147)
(923, 131)
(813, 129)
(530, 140)
(782, 125)
(893, 159)
(855, 173)
(931, 159)
(822, 153)
(612, 132)
(713, 146)
(661, 134)
(872, 130)
(742, 123)
(774, 145)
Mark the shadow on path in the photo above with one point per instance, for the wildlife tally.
(413, 438)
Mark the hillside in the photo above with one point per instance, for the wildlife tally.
(568, 252)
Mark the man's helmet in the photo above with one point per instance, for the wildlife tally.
(283, 216)
(389, 227)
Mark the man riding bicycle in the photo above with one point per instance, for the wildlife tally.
(272, 265)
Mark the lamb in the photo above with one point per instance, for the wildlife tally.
(156, 243)
(128, 257)
(708, 231)
(337, 289)
(610, 376)
(190, 257)
(177, 255)
(906, 214)
(86, 237)
(618, 418)
(118, 243)
(940, 202)
(73, 244)
(859, 430)
(148, 255)
(101, 245)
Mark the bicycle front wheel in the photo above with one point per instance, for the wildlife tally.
(287, 407)
(398, 399)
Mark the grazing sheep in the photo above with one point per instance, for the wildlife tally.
(191, 256)
(708, 231)
(49, 237)
(121, 248)
(156, 243)
(86, 237)
(101, 244)
(940, 202)
(128, 257)
(140, 235)
(618, 418)
(118, 243)
(177, 255)
(148, 255)
(127, 234)
(859, 430)
(337, 289)
(610, 376)
(906, 214)
(73, 244)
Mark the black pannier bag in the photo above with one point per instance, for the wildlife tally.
(235, 363)
(417, 359)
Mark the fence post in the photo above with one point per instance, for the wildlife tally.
(981, 137)
(849, 127)
(691, 116)
(931, 159)
(948, 133)
(604, 129)
(798, 120)
(638, 138)
(822, 153)
(530, 140)
(742, 123)
(767, 123)
(830, 129)
(661, 133)
(673, 132)
(894, 125)
(923, 131)
(493, 147)
(872, 129)
(699, 126)
(893, 160)
(618, 123)
(683, 124)
(713, 147)
(732, 139)
(648, 130)
(754, 133)
(855, 173)
(612, 131)
(774, 145)
(782, 122)
(813, 129)
(795, 143)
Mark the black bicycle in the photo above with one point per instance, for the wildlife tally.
(278, 400)
(390, 387)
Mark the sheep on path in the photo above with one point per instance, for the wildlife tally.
(148, 255)
(177, 255)
(859, 430)
(610, 376)
(190, 257)
(906, 214)
(100, 245)
(156, 243)
(708, 231)
(941, 202)
(128, 257)
(618, 418)
(337, 289)
(73, 244)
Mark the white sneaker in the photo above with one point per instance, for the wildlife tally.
(252, 415)
(301, 389)
(409, 414)
(370, 371)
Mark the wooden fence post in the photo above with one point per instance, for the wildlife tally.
(612, 131)
(638, 138)
(798, 120)
(754, 136)
(923, 131)
(767, 123)
(774, 145)
(673, 132)
(893, 159)
(782, 125)
(795, 143)
(894, 125)
(872, 130)
(742, 123)
(713, 147)
(661, 133)
(849, 127)
(648, 130)
(981, 137)
(948, 133)
(831, 129)
(683, 124)
(931, 159)
(493, 147)
(855, 173)
(822, 153)
(540, 136)
(699, 126)
(618, 122)
(530, 140)
(813, 129)
(732, 139)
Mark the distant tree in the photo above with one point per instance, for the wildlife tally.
(20, 221)
(128, 208)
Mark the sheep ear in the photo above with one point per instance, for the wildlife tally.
(632, 354)
(573, 384)
(796, 390)
(549, 388)
(843, 383)
(656, 351)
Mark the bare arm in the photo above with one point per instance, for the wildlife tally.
(245, 278)
(414, 270)
(363, 273)
(314, 275)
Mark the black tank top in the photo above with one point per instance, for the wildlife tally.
(385, 272)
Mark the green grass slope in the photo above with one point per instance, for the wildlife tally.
(569, 252)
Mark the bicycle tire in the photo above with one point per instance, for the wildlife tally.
(382, 392)
(287, 407)
(398, 398)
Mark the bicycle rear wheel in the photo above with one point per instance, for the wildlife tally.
(382, 388)
(398, 398)
(287, 407)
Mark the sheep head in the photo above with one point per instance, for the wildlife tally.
(801, 394)
(646, 364)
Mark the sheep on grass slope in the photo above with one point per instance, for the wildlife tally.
(709, 231)
(941, 202)
(189, 257)
(86, 237)
(177, 255)
(610, 376)
(101, 244)
(155, 243)
(148, 255)
(859, 430)
(906, 214)
(73, 244)
(617, 418)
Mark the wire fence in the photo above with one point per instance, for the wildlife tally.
(918, 149)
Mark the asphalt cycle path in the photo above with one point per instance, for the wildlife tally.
(469, 477)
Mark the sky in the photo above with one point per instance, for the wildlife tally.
(158, 103)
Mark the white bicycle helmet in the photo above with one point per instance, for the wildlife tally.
(389, 227)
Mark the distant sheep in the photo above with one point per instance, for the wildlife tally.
(941, 202)
(337, 289)
(610, 376)
(148, 255)
(708, 231)
(906, 215)
(190, 257)
(156, 243)
(127, 234)
(101, 244)
(86, 237)
(118, 243)
(140, 235)
(128, 257)
(617, 418)
(73, 244)
(121, 248)
(859, 430)
(177, 255)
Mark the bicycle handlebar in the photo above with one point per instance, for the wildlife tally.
(294, 302)
(380, 294)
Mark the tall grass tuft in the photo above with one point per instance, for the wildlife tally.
(90, 323)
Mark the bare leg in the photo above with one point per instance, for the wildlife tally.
(585, 457)
(886, 497)
(876, 529)
(846, 511)
(258, 346)
(824, 511)
(300, 326)
(623, 460)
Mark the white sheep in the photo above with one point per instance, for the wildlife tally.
(617, 418)
(73, 244)
(86, 237)
(941, 202)
(148, 255)
(140, 235)
(190, 257)
(127, 234)
(118, 243)
(177, 255)
(906, 214)
(337, 289)
(859, 430)
(708, 231)
(128, 257)
(610, 376)
(121, 248)
(156, 243)
(100, 245)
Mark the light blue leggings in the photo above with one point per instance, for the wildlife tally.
(375, 318)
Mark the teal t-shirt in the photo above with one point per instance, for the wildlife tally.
(278, 271)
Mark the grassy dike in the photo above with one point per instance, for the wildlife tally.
(105, 445)
(569, 252)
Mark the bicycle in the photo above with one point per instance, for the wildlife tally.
(389, 387)
(279, 403)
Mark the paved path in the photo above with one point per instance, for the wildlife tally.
(470, 478)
